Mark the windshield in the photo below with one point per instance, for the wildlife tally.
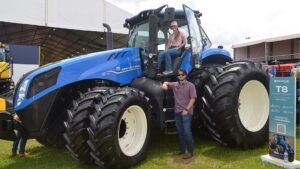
(139, 36)
(206, 41)
(195, 34)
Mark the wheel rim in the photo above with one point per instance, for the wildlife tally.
(253, 105)
(132, 130)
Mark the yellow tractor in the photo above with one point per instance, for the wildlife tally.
(6, 71)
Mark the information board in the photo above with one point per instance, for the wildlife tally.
(282, 118)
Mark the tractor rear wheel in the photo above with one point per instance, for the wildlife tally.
(120, 132)
(236, 103)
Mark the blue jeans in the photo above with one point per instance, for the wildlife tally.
(166, 55)
(184, 129)
(22, 144)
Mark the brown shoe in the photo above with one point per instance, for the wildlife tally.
(187, 156)
(13, 154)
(24, 154)
(178, 152)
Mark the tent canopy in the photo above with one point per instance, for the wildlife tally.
(62, 28)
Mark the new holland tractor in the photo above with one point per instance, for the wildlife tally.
(102, 106)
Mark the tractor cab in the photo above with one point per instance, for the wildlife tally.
(150, 30)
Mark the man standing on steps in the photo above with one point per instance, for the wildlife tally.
(185, 96)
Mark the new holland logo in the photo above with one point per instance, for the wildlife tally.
(120, 70)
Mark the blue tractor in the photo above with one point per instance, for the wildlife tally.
(279, 145)
(102, 106)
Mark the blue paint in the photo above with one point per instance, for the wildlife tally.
(119, 65)
(217, 55)
(186, 62)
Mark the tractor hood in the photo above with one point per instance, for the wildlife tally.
(119, 65)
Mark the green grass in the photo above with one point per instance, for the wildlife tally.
(208, 154)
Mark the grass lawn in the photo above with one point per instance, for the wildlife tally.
(208, 154)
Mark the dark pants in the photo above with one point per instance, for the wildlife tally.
(22, 144)
(166, 55)
(184, 128)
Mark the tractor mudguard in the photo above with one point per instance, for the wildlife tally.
(215, 56)
(154, 91)
(8, 125)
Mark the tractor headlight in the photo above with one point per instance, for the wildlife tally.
(43, 81)
(21, 94)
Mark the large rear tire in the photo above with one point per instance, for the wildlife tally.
(120, 132)
(236, 103)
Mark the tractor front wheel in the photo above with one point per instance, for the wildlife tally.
(76, 125)
(120, 131)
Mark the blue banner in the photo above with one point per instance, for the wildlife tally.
(24, 54)
(282, 117)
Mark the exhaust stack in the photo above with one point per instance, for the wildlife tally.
(109, 37)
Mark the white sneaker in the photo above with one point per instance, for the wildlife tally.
(167, 72)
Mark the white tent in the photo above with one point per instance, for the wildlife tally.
(87, 15)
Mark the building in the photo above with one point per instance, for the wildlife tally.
(283, 48)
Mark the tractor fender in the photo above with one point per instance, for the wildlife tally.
(215, 56)
(153, 90)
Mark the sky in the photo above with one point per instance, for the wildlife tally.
(229, 22)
